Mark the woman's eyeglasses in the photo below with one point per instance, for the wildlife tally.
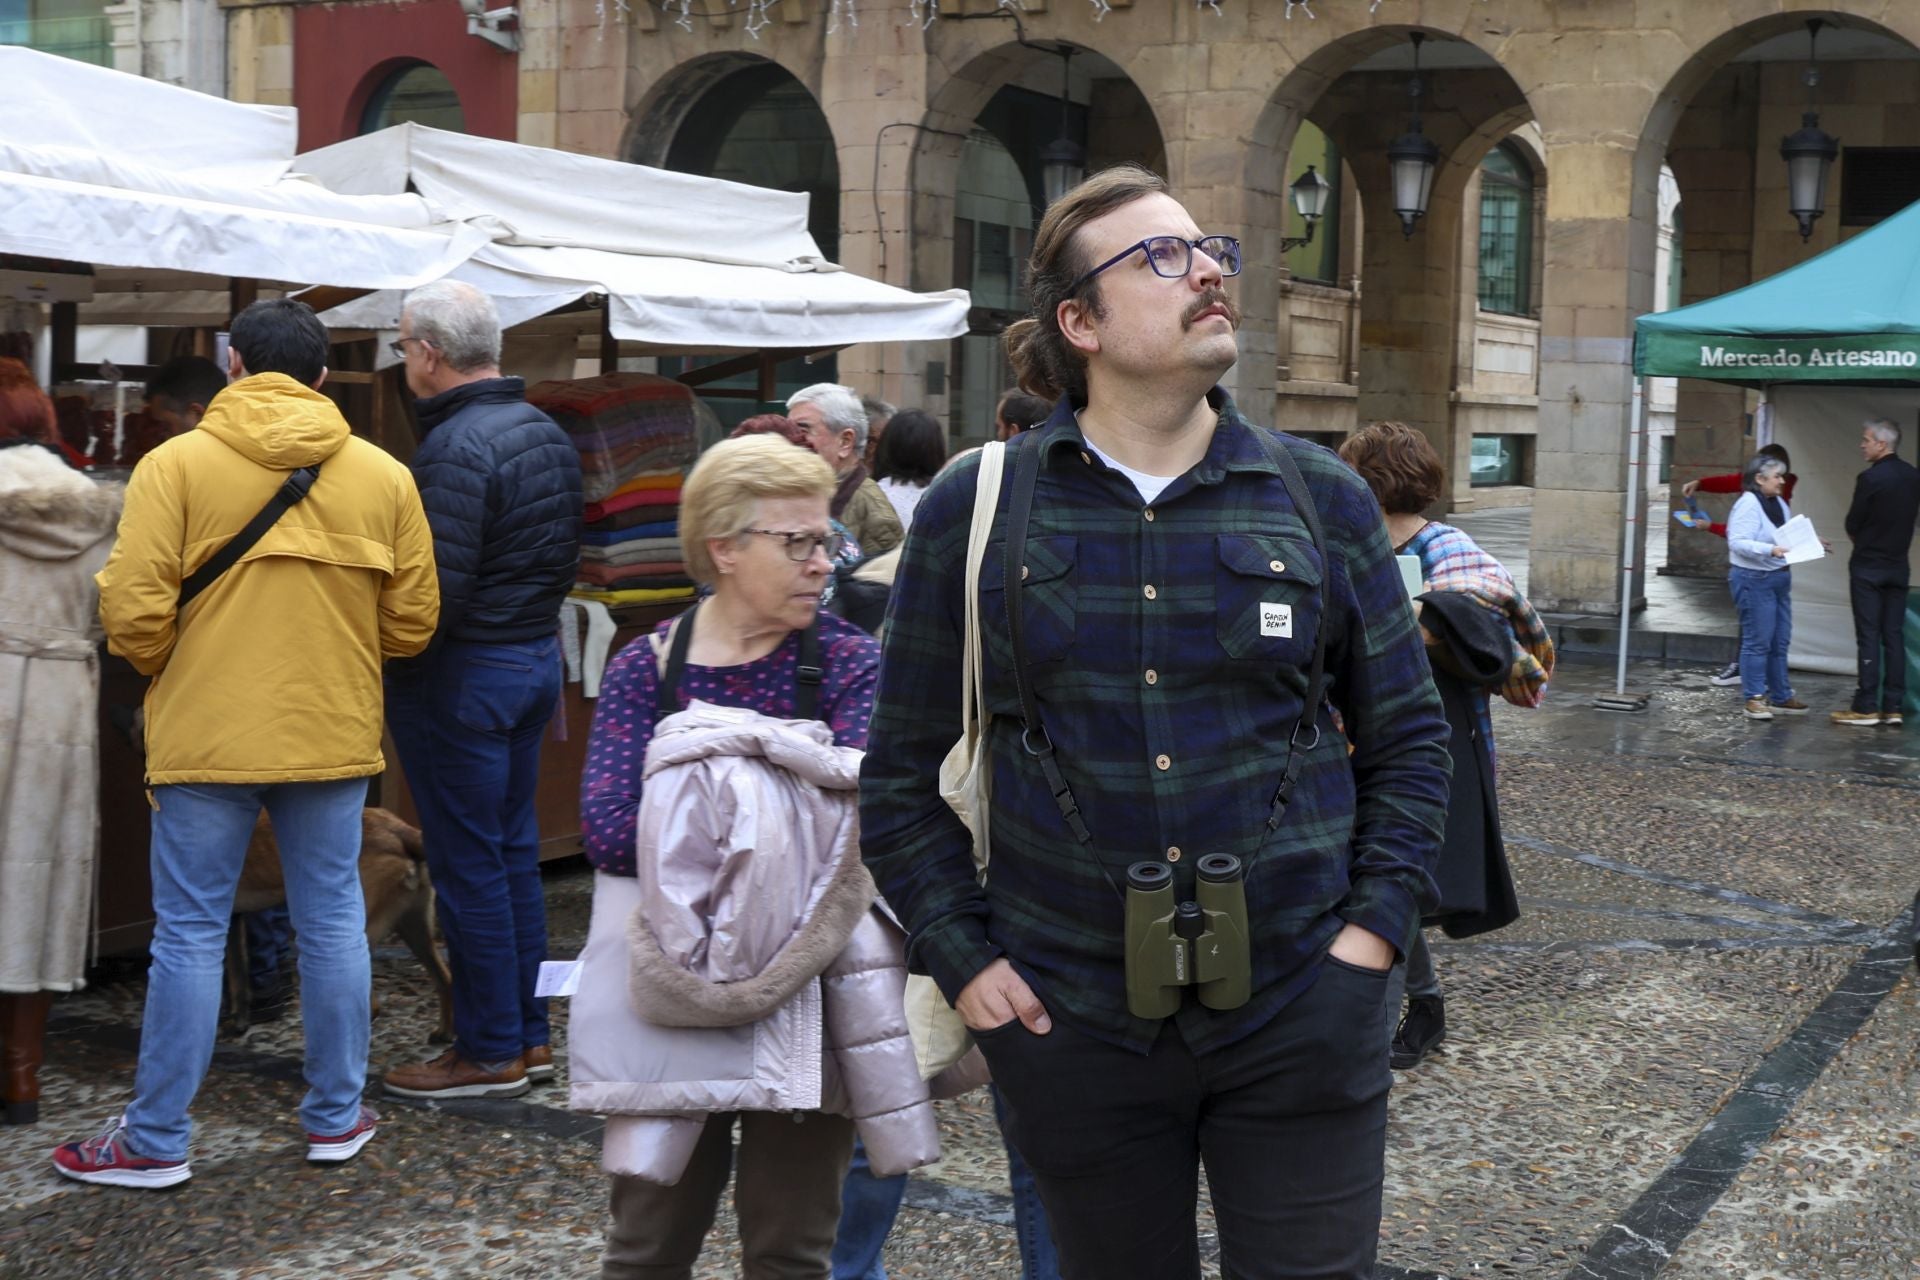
(1172, 257)
(800, 546)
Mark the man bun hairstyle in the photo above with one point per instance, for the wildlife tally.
(281, 335)
(1044, 363)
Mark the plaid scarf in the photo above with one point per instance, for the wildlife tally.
(1451, 561)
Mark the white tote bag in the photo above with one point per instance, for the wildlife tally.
(940, 1038)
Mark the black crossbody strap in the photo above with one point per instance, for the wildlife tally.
(1298, 750)
(293, 490)
(807, 677)
(1033, 734)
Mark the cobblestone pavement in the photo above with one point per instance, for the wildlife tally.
(1697, 1055)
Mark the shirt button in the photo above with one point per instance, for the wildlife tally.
(1150, 592)
(1173, 854)
(1153, 677)
(1163, 762)
(1276, 566)
(1086, 458)
(1023, 573)
(1148, 513)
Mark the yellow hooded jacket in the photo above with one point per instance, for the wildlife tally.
(272, 674)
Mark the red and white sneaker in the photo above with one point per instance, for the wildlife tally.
(108, 1161)
(343, 1146)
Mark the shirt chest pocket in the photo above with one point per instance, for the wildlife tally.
(1266, 598)
(1048, 598)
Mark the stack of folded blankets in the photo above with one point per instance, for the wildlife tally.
(636, 434)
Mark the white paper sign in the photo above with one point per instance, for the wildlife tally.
(1276, 620)
(1801, 542)
(557, 978)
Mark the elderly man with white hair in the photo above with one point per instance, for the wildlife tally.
(1886, 500)
(501, 487)
(836, 423)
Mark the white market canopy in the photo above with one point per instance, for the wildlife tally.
(116, 170)
(686, 263)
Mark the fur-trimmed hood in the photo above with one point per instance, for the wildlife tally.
(49, 511)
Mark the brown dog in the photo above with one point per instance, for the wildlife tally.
(399, 897)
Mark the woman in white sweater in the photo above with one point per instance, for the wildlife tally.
(1762, 586)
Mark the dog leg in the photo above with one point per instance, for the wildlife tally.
(239, 991)
(415, 927)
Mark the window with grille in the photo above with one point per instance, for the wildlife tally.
(1506, 233)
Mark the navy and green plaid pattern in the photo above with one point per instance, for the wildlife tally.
(1169, 647)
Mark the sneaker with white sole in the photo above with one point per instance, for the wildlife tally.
(1856, 719)
(343, 1146)
(1757, 709)
(1727, 676)
(107, 1161)
(1791, 707)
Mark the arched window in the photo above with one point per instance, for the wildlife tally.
(1506, 233)
(992, 237)
(417, 92)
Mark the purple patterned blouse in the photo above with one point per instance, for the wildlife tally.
(623, 722)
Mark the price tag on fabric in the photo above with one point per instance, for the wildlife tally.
(557, 978)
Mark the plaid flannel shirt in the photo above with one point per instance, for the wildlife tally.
(1169, 645)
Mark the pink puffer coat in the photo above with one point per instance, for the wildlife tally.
(746, 967)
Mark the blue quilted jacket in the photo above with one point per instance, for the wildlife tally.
(501, 487)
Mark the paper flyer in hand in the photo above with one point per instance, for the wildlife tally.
(1801, 542)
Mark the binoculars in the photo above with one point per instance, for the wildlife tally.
(1203, 943)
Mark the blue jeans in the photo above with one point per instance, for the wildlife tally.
(1765, 601)
(468, 721)
(200, 834)
(868, 1206)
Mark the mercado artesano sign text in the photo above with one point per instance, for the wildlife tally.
(1865, 358)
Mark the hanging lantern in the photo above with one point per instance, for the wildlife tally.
(1063, 162)
(1412, 158)
(1310, 193)
(1810, 150)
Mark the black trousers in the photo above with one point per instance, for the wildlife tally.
(1291, 1123)
(1879, 620)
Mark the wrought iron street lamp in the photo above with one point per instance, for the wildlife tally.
(1310, 193)
(1411, 157)
(1810, 150)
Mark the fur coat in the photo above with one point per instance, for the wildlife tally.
(747, 966)
(56, 527)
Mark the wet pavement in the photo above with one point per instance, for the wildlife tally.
(1697, 1055)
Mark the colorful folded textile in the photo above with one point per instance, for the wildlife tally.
(629, 501)
(661, 596)
(639, 551)
(633, 518)
(652, 480)
(624, 424)
(605, 575)
(607, 537)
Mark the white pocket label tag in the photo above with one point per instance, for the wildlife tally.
(1276, 620)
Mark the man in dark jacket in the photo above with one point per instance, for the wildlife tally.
(1886, 500)
(501, 487)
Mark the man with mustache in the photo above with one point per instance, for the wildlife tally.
(1165, 703)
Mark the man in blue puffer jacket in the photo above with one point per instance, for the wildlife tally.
(501, 487)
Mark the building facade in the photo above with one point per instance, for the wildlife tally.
(1501, 325)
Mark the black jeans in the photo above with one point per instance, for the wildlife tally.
(1291, 1123)
(1879, 621)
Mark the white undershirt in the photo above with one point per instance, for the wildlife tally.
(1150, 486)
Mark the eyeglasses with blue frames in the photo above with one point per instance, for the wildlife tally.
(1172, 257)
(800, 546)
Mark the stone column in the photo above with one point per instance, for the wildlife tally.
(874, 90)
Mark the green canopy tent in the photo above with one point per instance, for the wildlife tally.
(1818, 337)
(1850, 315)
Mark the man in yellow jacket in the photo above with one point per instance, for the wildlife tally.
(266, 694)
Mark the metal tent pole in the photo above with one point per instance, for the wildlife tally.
(1620, 699)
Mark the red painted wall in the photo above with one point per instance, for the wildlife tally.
(343, 53)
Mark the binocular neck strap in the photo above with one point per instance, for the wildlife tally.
(1033, 735)
(1317, 675)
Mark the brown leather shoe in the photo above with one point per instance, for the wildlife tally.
(452, 1076)
(538, 1062)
